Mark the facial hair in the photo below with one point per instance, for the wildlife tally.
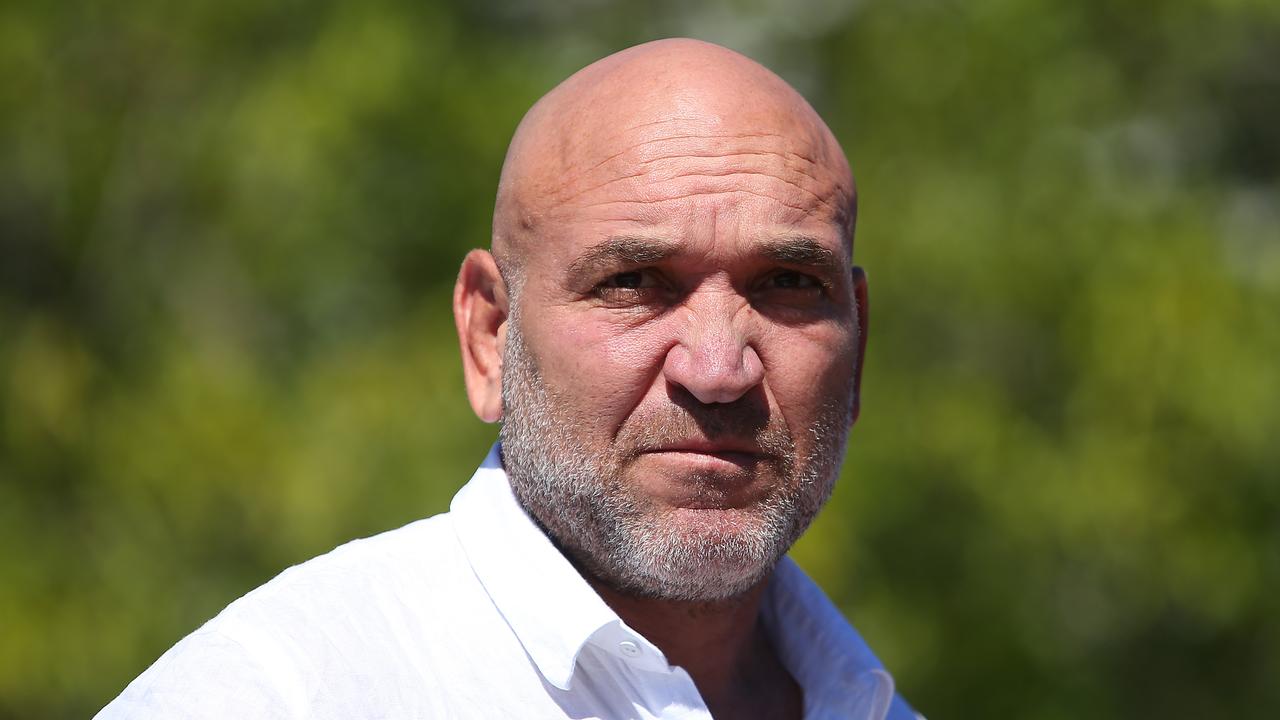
(611, 531)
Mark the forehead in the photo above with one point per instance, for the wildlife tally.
(701, 181)
(650, 160)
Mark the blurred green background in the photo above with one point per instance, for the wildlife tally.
(228, 232)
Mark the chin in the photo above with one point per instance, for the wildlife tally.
(699, 555)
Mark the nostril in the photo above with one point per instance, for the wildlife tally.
(713, 375)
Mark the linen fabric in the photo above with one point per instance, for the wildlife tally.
(474, 614)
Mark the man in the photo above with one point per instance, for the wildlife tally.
(669, 330)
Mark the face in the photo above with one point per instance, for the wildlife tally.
(678, 374)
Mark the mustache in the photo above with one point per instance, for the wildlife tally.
(747, 420)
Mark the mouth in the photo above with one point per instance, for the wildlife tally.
(709, 453)
(719, 475)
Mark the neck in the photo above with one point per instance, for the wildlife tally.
(721, 644)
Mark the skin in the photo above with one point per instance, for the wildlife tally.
(675, 222)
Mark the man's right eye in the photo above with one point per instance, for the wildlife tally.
(633, 286)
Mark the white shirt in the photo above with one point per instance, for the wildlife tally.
(473, 614)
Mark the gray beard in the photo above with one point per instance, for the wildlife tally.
(613, 533)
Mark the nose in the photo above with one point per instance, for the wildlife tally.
(714, 362)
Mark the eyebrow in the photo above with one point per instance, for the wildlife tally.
(799, 250)
(622, 250)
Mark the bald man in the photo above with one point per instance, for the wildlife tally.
(670, 330)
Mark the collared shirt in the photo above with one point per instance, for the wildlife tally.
(474, 614)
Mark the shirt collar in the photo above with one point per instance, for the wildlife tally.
(554, 612)
(548, 605)
(840, 675)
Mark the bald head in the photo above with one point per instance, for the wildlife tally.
(628, 129)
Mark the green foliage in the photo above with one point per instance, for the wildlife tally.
(228, 233)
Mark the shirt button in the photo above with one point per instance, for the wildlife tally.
(629, 648)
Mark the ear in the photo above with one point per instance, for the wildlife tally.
(860, 296)
(480, 308)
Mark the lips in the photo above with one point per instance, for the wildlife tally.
(735, 452)
(698, 474)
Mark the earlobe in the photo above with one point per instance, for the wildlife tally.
(480, 313)
(860, 298)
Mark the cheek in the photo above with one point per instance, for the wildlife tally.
(806, 370)
(602, 369)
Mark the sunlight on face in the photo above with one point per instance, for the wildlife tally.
(620, 536)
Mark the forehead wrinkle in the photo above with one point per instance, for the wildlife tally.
(685, 136)
(646, 141)
(659, 141)
(699, 193)
(819, 198)
(797, 170)
(591, 142)
(781, 153)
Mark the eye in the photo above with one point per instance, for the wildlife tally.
(791, 291)
(634, 280)
(792, 280)
(633, 287)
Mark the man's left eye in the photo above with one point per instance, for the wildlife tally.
(629, 281)
(791, 280)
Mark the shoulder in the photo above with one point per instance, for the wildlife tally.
(407, 560)
(354, 590)
(395, 555)
(272, 652)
